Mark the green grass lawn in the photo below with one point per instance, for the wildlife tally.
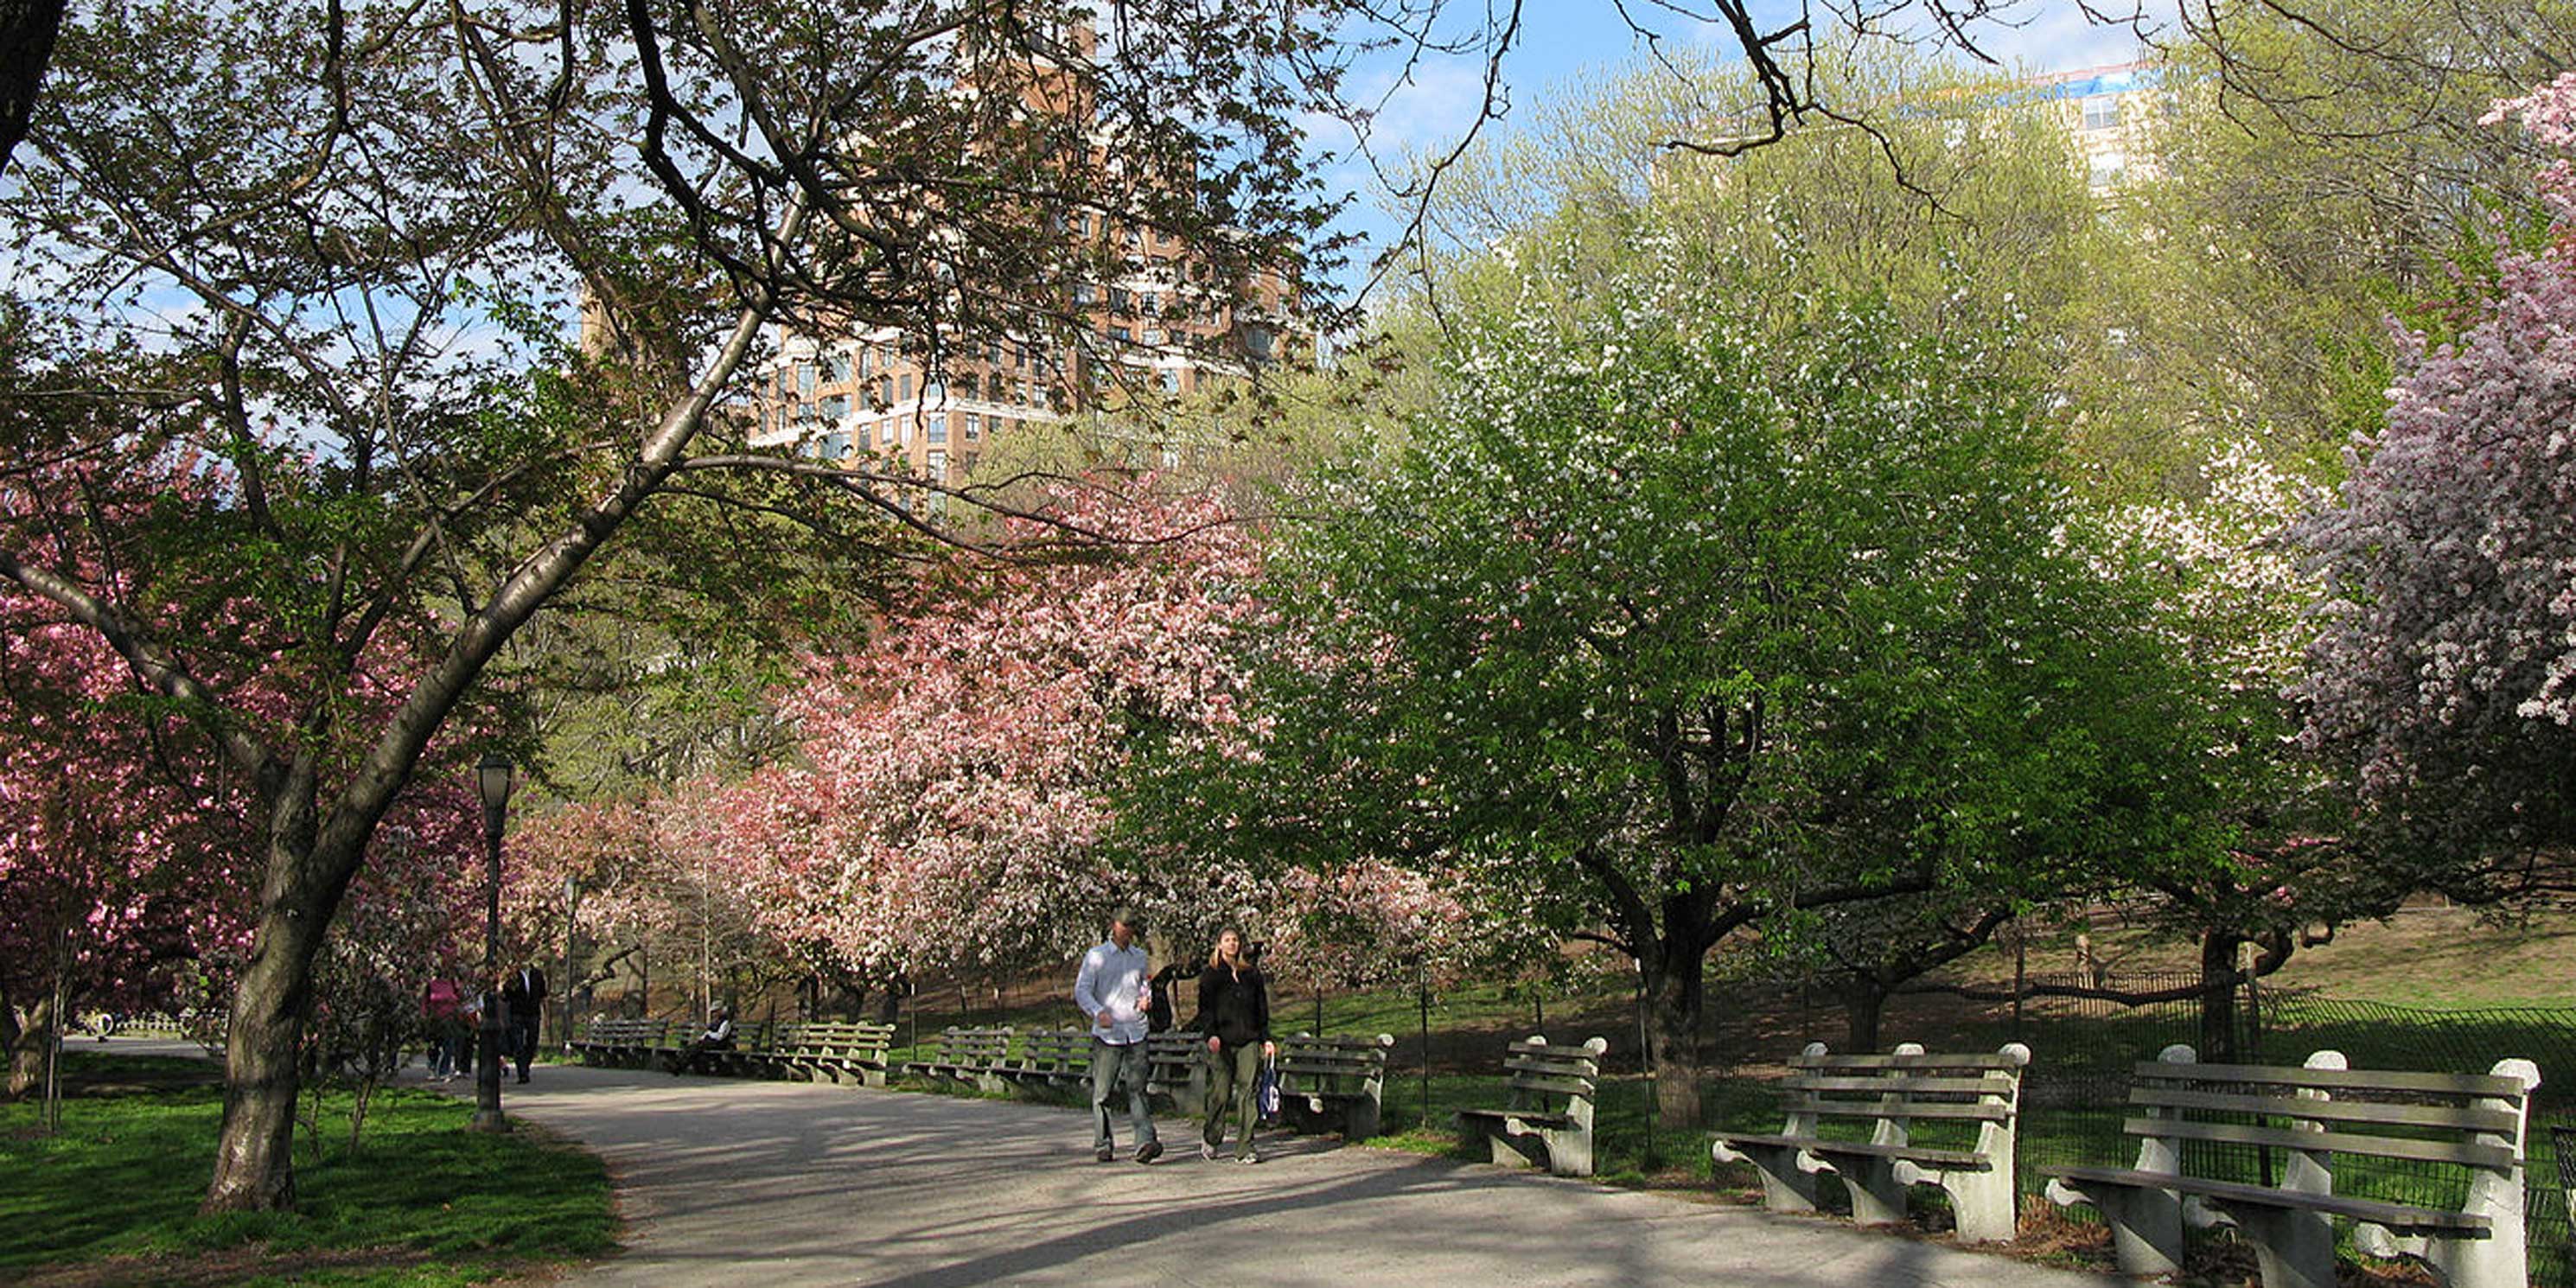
(112, 1198)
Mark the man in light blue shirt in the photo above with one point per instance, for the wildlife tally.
(1111, 989)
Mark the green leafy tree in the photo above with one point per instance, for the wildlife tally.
(1662, 629)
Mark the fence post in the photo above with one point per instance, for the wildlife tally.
(1422, 977)
(1646, 1062)
(2021, 977)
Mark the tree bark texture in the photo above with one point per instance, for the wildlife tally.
(27, 1044)
(1864, 1006)
(2219, 1033)
(254, 1151)
(27, 31)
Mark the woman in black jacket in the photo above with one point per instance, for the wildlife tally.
(1234, 1013)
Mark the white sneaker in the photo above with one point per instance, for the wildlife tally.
(1207, 1152)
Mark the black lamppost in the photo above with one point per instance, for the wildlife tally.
(492, 780)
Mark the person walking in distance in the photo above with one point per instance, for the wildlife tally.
(525, 994)
(444, 1009)
(1112, 990)
(1234, 1013)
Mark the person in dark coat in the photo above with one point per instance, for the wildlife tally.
(1167, 986)
(1234, 1013)
(524, 994)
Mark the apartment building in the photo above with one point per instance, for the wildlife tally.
(2108, 111)
(1153, 321)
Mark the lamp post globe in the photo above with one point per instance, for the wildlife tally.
(492, 780)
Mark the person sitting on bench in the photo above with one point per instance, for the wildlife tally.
(717, 1037)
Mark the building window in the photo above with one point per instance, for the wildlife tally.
(1171, 380)
(835, 408)
(903, 387)
(2104, 171)
(2101, 112)
(1122, 335)
(938, 428)
(835, 446)
(973, 423)
(836, 367)
(804, 378)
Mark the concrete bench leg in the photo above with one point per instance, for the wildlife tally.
(2493, 1262)
(1982, 1200)
(2146, 1225)
(1502, 1145)
(1569, 1153)
(1786, 1187)
(1877, 1196)
(2293, 1249)
(1360, 1119)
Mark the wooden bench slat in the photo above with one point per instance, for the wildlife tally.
(2446, 1084)
(1522, 1082)
(2427, 1151)
(1302, 1065)
(1927, 1060)
(1864, 1149)
(2352, 1111)
(1553, 1068)
(1533, 1116)
(2396, 1216)
(1902, 1086)
(1910, 1109)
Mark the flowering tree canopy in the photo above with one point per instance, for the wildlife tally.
(956, 776)
(2446, 671)
(1661, 630)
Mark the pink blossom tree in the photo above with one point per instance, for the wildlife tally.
(956, 790)
(119, 853)
(2446, 670)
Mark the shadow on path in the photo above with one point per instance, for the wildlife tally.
(734, 1183)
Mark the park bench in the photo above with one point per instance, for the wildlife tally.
(1176, 1069)
(751, 1047)
(830, 1051)
(974, 1057)
(1052, 1060)
(1333, 1084)
(2305, 1120)
(1549, 1118)
(621, 1042)
(1897, 1095)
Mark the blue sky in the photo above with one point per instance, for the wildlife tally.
(1562, 40)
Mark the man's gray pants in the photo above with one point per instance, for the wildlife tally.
(1112, 1063)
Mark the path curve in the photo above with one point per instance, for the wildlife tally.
(735, 1184)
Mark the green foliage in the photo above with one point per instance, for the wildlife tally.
(2315, 173)
(1960, 203)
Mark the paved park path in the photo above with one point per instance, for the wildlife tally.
(744, 1184)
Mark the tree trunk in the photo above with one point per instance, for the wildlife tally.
(1864, 1003)
(1675, 998)
(27, 32)
(2218, 1031)
(28, 1044)
(254, 1152)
